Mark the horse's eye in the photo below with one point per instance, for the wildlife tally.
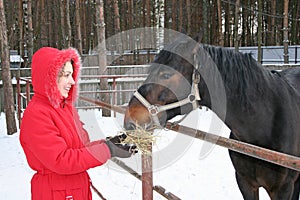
(165, 75)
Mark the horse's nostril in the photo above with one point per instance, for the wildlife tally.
(129, 126)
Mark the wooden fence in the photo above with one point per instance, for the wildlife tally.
(282, 159)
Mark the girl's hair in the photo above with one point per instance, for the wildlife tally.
(61, 71)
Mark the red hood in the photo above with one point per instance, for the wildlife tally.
(46, 63)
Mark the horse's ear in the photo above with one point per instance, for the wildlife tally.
(183, 31)
(199, 36)
(198, 39)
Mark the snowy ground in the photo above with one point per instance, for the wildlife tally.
(186, 167)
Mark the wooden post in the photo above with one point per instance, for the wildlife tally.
(114, 100)
(19, 100)
(147, 176)
(27, 91)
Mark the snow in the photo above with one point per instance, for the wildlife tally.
(16, 58)
(189, 168)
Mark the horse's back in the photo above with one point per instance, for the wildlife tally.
(292, 75)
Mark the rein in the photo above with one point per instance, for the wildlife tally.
(192, 98)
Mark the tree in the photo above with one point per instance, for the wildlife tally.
(21, 30)
(205, 21)
(259, 32)
(43, 22)
(294, 22)
(227, 25)
(7, 85)
(62, 21)
(29, 31)
(78, 27)
(220, 24)
(273, 30)
(118, 41)
(69, 28)
(236, 24)
(286, 31)
(100, 23)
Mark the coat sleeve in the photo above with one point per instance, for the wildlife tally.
(44, 146)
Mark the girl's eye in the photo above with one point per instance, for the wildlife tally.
(67, 75)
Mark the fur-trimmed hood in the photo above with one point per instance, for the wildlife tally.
(46, 64)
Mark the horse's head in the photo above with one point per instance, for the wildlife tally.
(168, 90)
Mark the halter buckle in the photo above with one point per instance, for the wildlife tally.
(153, 110)
(191, 98)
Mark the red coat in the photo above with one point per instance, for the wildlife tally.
(52, 136)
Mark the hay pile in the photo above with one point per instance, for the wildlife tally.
(143, 139)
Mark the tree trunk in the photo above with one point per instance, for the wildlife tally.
(286, 31)
(295, 15)
(259, 32)
(227, 25)
(189, 16)
(21, 30)
(100, 23)
(273, 25)
(118, 41)
(180, 16)
(244, 26)
(29, 30)
(220, 25)
(6, 77)
(62, 22)
(205, 21)
(174, 14)
(236, 24)
(43, 24)
(50, 22)
(78, 27)
(68, 21)
(130, 21)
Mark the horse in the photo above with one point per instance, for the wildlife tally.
(259, 106)
(292, 75)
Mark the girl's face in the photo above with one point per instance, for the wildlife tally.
(65, 79)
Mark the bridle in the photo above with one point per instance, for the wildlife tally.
(192, 98)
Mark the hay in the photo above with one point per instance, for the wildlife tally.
(143, 139)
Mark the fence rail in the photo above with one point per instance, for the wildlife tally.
(282, 159)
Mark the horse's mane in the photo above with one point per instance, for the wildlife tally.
(239, 70)
(242, 75)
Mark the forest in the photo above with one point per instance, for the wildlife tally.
(63, 23)
(27, 25)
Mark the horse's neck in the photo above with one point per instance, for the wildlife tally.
(231, 94)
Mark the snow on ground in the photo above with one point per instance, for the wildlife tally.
(189, 168)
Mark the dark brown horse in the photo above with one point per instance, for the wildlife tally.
(260, 107)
